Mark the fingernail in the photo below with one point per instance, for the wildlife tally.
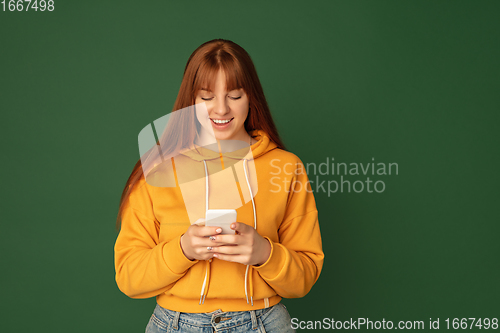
(218, 230)
(233, 226)
(215, 255)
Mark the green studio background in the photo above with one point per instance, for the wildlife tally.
(407, 82)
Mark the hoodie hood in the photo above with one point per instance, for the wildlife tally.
(259, 148)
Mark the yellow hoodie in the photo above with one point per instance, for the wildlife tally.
(149, 260)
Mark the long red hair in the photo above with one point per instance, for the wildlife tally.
(201, 70)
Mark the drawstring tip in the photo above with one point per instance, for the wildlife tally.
(202, 299)
(251, 298)
(247, 299)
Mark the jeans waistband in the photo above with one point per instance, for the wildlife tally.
(216, 318)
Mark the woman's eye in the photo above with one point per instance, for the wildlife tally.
(210, 98)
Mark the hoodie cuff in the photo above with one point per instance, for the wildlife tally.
(272, 267)
(174, 257)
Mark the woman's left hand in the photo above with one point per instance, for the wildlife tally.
(246, 247)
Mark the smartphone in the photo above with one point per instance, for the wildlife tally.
(221, 218)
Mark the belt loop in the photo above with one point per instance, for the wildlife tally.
(254, 319)
(175, 320)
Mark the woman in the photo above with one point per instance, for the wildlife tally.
(204, 280)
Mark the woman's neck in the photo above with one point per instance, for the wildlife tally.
(205, 139)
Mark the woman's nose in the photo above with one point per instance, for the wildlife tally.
(220, 107)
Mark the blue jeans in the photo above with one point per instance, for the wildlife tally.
(268, 320)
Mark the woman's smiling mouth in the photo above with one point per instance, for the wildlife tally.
(221, 123)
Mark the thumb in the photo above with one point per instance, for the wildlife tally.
(240, 227)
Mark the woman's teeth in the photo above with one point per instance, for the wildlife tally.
(221, 121)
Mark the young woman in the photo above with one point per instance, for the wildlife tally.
(204, 280)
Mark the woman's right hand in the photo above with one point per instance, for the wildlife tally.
(195, 241)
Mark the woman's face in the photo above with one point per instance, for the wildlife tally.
(223, 106)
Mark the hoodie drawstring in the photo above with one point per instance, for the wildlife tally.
(206, 281)
(255, 227)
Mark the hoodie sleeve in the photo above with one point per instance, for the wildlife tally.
(144, 266)
(296, 259)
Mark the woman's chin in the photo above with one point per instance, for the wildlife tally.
(223, 136)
